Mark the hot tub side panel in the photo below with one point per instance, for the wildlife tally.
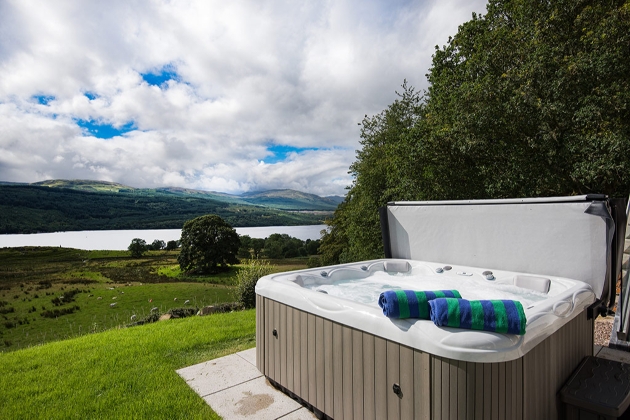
(349, 374)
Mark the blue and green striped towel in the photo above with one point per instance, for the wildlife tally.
(502, 316)
(410, 303)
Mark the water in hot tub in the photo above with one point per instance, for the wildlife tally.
(367, 290)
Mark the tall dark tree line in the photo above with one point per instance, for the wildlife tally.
(530, 99)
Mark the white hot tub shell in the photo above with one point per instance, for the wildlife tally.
(338, 353)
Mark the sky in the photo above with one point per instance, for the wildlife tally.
(228, 96)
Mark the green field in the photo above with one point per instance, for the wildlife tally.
(125, 373)
(82, 286)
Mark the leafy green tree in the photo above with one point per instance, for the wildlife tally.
(385, 170)
(245, 246)
(158, 245)
(137, 247)
(172, 245)
(530, 99)
(312, 246)
(258, 244)
(207, 244)
(273, 246)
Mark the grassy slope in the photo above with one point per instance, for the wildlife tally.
(31, 277)
(127, 373)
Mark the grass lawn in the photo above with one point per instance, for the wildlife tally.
(121, 373)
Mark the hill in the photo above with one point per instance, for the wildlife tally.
(278, 199)
(289, 200)
(61, 205)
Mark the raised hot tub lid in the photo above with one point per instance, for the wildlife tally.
(561, 236)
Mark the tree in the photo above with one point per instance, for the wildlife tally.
(245, 245)
(312, 246)
(386, 169)
(531, 99)
(258, 244)
(172, 245)
(158, 245)
(137, 247)
(207, 244)
(273, 246)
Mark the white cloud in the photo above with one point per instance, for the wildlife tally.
(251, 73)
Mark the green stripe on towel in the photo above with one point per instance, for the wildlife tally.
(453, 313)
(477, 315)
(403, 304)
(423, 307)
(500, 316)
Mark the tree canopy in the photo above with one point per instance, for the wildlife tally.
(137, 247)
(530, 99)
(207, 244)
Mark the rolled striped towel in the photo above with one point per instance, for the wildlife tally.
(410, 303)
(502, 316)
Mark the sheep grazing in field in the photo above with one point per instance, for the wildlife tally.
(133, 318)
(175, 299)
(111, 305)
(114, 297)
(110, 288)
(122, 292)
(154, 309)
(99, 298)
(187, 302)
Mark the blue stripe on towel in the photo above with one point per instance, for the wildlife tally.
(439, 311)
(489, 319)
(466, 314)
(412, 299)
(502, 316)
(515, 324)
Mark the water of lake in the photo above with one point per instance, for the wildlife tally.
(120, 239)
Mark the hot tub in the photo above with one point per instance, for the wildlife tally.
(322, 338)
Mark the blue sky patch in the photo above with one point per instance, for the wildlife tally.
(90, 95)
(44, 99)
(165, 74)
(105, 131)
(280, 152)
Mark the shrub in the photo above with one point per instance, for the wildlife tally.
(8, 310)
(155, 316)
(67, 297)
(314, 262)
(55, 313)
(183, 312)
(247, 278)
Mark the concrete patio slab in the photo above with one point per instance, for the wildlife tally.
(249, 356)
(218, 374)
(255, 399)
(236, 390)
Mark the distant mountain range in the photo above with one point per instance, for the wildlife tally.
(57, 205)
(277, 199)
